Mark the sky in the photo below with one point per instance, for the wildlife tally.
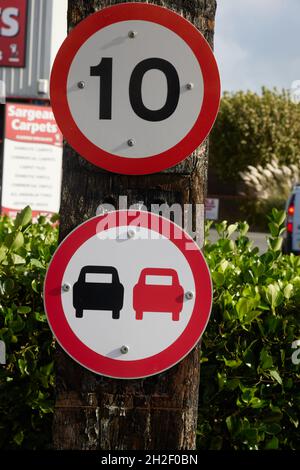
(257, 43)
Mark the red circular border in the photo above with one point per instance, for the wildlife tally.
(200, 48)
(113, 367)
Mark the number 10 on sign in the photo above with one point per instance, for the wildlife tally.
(104, 71)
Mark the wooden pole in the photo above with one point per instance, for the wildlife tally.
(160, 412)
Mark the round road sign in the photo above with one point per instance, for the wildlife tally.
(128, 294)
(135, 88)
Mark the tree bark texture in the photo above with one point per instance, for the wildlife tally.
(160, 412)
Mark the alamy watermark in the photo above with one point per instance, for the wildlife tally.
(2, 353)
(296, 354)
(2, 92)
(295, 91)
(189, 218)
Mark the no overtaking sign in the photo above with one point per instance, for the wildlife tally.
(128, 294)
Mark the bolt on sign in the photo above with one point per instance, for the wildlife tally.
(128, 294)
(13, 14)
(135, 88)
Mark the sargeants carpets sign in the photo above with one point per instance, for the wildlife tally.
(32, 160)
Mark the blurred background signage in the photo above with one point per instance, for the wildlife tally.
(13, 15)
(32, 160)
(31, 31)
(212, 208)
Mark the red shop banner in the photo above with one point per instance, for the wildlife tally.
(13, 15)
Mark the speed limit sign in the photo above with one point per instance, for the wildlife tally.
(135, 88)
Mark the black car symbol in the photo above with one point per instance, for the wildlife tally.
(98, 288)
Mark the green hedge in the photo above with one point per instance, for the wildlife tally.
(250, 129)
(250, 389)
(27, 381)
(249, 394)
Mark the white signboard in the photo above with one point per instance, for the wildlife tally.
(32, 160)
(212, 208)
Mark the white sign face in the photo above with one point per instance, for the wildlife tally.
(150, 137)
(32, 163)
(135, 88)
(129, 257)
(128, 293)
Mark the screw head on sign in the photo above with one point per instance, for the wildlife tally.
(189, 295)
(124, 349)
(66, 287)
(81, 84)
(131, 233)
(132, 34)
(131, 142)
(189, 86)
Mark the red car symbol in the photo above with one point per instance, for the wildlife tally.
(153, 294)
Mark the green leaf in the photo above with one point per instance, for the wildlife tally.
(232, 384)
(14, 241)
(47, 369)
(3, 252)
(230, 423)
(23, 310)
(9, 286)
(17, 259)
(272, 443)
(221, 380)
(276, 411)
(244, 307)
(276, 376)
(218, 279)
(54, 218)
(265, 359)
(257, 403)
(232, 363)
(23, 367)
(23, 218)
(273, 428)
(40, 317)
(221, 227)
(274, 229)
(18, 438)
(243, 228)
(280, 217)
(224, 265)
(36, 263)
(275, 244)
(34, 286)
(231, 229)
(250, 316)
(287, 292)
(293, 417)
(274, 295)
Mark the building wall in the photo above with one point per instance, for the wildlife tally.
(46, 30)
